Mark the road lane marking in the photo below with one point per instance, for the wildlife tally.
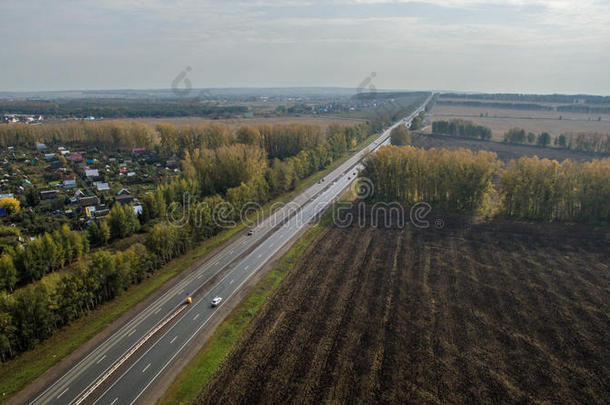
(271, 245)
(259, 256)
(142, 318)
(199, 276)
(174, 339)
(114, 400)
(62, 393)
(100, 360)
(231, 252)
(181, 291)
(231, 282)
(247, 267)
(157, 311)
(146, 368)
(132, 332)
(196, 316)
(216, 262)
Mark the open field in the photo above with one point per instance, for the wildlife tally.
(238, 122)
(504, 151)
(501, 120)
(473, 313)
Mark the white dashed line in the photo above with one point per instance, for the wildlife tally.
(62, 393)
(196, 316)
(259, 256)
(132, 332)
(247, 267)
(231, 282)
(100, 360)
(114, 400)
(146, 368)
(174, 339)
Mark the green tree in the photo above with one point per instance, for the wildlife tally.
(8, 272)
(122, 221)
(544, 139)
(400, 136)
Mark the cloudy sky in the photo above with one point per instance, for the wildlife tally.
(473, 45)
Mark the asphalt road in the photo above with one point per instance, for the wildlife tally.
(232, 266)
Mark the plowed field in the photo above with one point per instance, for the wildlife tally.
(471, 313)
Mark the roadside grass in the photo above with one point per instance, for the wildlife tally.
(200, 369)
(15, 374)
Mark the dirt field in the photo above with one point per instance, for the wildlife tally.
(472, 313)
(237, 122)
(504, 151)
(501, 120)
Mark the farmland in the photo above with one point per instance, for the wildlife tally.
(474, 312)
(504, 151)
(501, 120)
(235, 123)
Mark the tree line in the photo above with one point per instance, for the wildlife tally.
(584, 142)
(519, 136)
(456, 181)
(103, 135)
(117, 108)
(35, 312)
(461, 181)
(220, 183)
(542, 189)
(462, 129)
(29, 261)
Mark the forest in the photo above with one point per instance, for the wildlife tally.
(223, 173)
(463, 181)
(456, 181)
(120, 108)
(542, 189)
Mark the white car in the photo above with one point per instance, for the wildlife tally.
(216, 301)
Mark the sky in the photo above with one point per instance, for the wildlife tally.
(517, 46)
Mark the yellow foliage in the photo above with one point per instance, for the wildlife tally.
(10, 204)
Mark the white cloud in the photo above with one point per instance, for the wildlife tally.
(139, 43)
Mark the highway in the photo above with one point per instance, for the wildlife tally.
(107, 376)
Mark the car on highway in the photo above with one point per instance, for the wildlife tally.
(250, 232)
(216, 301)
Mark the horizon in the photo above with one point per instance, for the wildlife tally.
(514, 46)
(346, 88)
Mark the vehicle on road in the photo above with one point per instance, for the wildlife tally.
(216, 301)
(250, 232)
(189, 300)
